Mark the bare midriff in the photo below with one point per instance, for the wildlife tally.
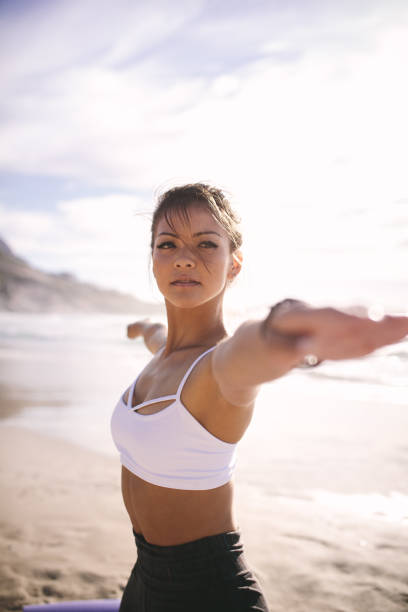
(167, 517)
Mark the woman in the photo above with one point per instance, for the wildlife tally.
(178, 425)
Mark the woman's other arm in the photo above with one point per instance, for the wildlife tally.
(261, 351)
(154, 334)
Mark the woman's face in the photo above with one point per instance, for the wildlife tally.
(192, 261)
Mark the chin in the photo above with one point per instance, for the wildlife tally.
(185, 304)
(189, 304)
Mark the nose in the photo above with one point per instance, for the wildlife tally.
(184, 259)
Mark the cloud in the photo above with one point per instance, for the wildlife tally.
(299, 110)
(120, 110)
(49, 36)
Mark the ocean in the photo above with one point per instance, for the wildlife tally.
(336, 436)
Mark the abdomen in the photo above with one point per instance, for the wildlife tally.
(167, 517)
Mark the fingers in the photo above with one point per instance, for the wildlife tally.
(328, 333)
(282, 316)
(391, 329)
(287, 305)
(301, 319)
(130, 330)
(133, 330)
(351, 337)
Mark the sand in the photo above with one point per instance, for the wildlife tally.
(64, 535)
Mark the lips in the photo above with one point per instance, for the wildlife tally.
(185, 282)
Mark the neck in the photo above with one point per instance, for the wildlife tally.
(187, 328)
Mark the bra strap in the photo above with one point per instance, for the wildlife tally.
(187, 374)
(131, 391)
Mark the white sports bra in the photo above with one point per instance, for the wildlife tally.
(170, 448)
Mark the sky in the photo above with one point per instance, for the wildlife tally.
(297, 109)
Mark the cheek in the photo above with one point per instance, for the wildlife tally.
(221, 265)
(158, 262)
(157, 268)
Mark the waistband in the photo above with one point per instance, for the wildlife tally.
(229, 540)
(220, 554)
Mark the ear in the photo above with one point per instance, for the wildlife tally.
(236, 264)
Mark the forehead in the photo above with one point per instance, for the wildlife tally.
(199, 219)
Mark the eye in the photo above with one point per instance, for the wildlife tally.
(166, 245)
(208, 244)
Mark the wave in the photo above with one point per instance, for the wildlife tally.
(386, 367)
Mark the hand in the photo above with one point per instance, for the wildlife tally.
(136, 329)
(327, 333)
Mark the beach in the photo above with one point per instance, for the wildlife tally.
(321, 494)
(65, 536)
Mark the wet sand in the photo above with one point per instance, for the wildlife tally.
(64, 535)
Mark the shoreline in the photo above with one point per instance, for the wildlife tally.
(307, 558)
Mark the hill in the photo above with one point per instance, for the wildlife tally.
(24, 288)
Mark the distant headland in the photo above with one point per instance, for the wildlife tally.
(24, 288)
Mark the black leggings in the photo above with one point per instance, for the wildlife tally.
(209, 574)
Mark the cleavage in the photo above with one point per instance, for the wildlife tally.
(153, 408)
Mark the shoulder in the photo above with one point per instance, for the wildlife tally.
(202, 397)
(202, 387)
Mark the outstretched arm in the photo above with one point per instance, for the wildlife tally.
(154, 334)
(261, 351)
